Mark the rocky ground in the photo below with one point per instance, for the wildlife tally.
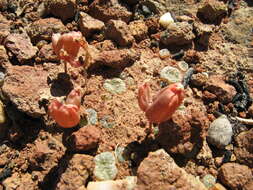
(206, 144)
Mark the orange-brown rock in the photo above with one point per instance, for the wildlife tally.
(85, 138)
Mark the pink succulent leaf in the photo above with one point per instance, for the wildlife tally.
(66, 115)
(74, 97)
(144, 97)
(164, 104)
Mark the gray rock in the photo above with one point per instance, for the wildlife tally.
(239, 29)
(220, 132)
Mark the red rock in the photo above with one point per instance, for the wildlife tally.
(63, 9)
(208, 96)
(23, 85)
(119, 31)
(222, 90)
(106, 10)
(191, 56)
(18, 181)
(199, 79)
(159, 171)
(138, 29)
(203, 33)
(179, 33)
(76, 174)
(234, 175)
(153, 24)
(119, 58)
(212, 11)
(105, 45)
(85, 138)
(44, 157)
(89, 25)
(40, 153)
(244, 148)
(43, 29)
(4, 28)
(186, 130)
(20, 46)
(46, 54)
(249, 185)
(4, 59)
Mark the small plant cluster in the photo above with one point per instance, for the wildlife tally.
(163, 105)
(67, 47)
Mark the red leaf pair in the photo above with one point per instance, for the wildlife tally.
(66, 115)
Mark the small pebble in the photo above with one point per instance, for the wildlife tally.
(115, 86)
(171, 74)
(183, 65)
(166, 19)
(220, 132)
(208, 180)
(105, 166)
(164, 53)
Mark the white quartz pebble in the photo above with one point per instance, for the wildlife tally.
(166, 19)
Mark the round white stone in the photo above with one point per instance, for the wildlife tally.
(171, 74)
(166, 19)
